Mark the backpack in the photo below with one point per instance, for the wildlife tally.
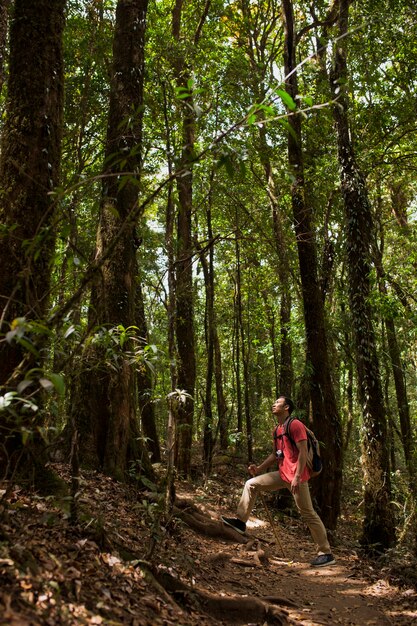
(314, 462)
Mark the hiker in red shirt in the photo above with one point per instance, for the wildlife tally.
(292, 474)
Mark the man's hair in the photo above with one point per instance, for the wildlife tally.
(288, 402)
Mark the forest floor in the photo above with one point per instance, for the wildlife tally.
(117, 565)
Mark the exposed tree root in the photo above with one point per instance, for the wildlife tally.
(203, 523)
(255, 558)
(200, 520)
(233, 609)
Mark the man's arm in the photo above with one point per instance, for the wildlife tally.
(270, 460)
(301, 463)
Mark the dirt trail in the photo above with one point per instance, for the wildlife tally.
(350, 592)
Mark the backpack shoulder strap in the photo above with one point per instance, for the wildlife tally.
(287, 425)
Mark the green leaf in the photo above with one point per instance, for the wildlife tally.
(25, 435)
(28, 345)
(148, 483)
(286, 99)
(58, 382)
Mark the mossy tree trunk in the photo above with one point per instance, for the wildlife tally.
(4, 27)
(29, 166)
(378, 525)
(109, 386)
(145, 384)
(29, 172)
(323, 401)
(184, 299)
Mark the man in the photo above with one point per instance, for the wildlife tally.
(292, 473)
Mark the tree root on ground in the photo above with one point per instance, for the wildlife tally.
(253, 557)
(203, 523)
(232, 609)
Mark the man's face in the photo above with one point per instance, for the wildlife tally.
(279, 408)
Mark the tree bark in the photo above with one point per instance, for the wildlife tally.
(286, 379)
(111, 403)
(145, 384)
(378, 526)
(236, 358)
(29, 166)
(324, 408)
(222, 409)
(184, 317)
(394, 352)
(29, 172)
(4, 27)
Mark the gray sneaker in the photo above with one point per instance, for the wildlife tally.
(235, 523)
(323, 559)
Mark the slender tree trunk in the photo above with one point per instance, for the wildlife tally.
(222, 410)
(270, 314)
(145, 384)
(398, 374)
(285, 383)
(184, 315)
(111, 403)
(172, 404)
(209, 323)
(246, 379)
(349, 402)
(325, 413)
(170, 250)
(4, 27)
(236, 348)
(378, 527)
(29, 172)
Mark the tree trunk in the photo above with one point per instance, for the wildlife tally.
(236, 366)
(170, 248)
(285, 381)
(184, 315)
(247, 381)
(29, 172)
(221, 400)
(145, 384)
(111, 403)
(29, 166)
(208, 429)
(378, 527)
(4, 27)
(398, 374)
(184, 322)
(244, 343)
(325, 414)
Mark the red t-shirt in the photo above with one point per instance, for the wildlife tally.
(287, 465)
